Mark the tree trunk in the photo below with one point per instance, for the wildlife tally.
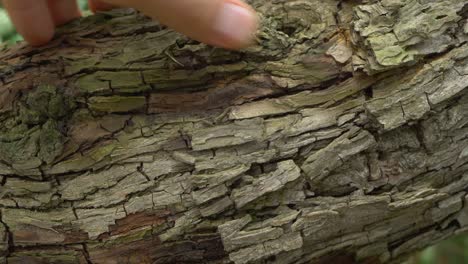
(341, 137)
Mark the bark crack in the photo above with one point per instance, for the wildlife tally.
(9, 238)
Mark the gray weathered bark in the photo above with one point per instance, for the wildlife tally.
(341, 137)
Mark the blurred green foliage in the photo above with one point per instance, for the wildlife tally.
(453, 251)
(7, 31)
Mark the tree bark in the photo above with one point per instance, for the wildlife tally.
(340, 137)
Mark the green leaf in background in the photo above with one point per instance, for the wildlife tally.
(427, 256)
(83, 4)
(452, 251)
(7, 31)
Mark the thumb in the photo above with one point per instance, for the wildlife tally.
(225, 23)
(98, 5)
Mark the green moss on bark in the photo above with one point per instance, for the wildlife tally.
(33, 131)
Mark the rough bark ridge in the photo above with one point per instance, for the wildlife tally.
(341, 137)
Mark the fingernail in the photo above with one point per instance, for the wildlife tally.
(236, 24)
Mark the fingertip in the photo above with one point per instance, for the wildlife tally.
(96, 5)
(235, 25)
(39, 38)
(63, 11)
(32, 20)
(230, 24)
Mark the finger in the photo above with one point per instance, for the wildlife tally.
(32, 20)
(96, 5)
(63, 11)
(225, 23)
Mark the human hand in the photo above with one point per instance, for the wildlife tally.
(224, 23)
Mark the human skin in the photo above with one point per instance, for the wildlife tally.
(225, 23)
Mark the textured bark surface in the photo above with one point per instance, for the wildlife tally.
(341, 137)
